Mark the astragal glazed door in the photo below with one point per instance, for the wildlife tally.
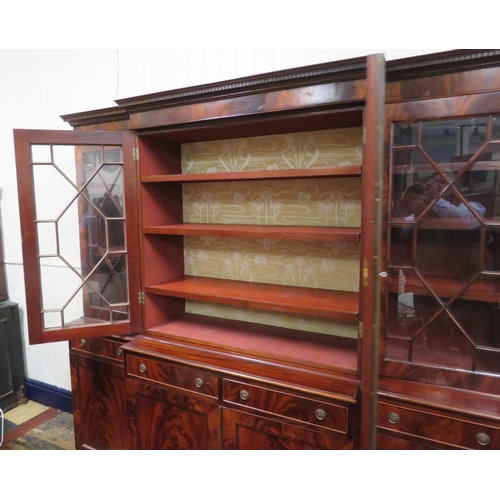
(80, 230)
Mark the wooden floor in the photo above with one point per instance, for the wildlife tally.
(32, 426)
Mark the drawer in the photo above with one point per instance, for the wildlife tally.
(309, 411)
(168, 374)
(439, 428)
(100, 347)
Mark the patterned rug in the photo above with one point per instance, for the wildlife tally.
(54, 433)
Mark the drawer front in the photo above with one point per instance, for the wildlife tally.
(193, 380)
(310, 411)
(453, 431)
(102, 347)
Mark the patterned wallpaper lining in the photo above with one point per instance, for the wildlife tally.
(293, 322)
(331, 266)
(334, 202)
(322, 148)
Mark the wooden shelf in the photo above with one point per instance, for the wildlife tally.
(273, 343)
(245, 231)
(295, 300)
(348, 171)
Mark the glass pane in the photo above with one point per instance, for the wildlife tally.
(401, 249)
(495, 132)
(53, 193)
(480, 183)
(451, 143)
(405, 134)
(477, 311)
(59, 282)
(411, 305)
(442, 343)
(80, 205)
(492, 249)
(448, 248)
(47, 238)
(411, 170)
(41, 153)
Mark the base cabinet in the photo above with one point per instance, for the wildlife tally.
(162, 419)
(98, 380)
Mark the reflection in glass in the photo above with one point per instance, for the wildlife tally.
(451, 143)
(401, 248)
(81, 234)
(411, 304)
(405, 134)
(442, 343)
(492, 249)
(477, 311)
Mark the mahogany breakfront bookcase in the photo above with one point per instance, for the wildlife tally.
(305, 259)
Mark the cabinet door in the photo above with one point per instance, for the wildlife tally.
(443, 289)
(98, 404)
(79, 223)
(167, 419)
(242, 431)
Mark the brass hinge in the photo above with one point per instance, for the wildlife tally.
(364, 135)
(360, 330)
(135, 154)
(366, 274)
(142, 298)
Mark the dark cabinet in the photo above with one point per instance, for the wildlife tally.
(12, 373)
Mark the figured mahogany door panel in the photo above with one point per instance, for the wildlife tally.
(80, 229)
(385, 442)
(241, 431)
(171, 420)
(98, 404)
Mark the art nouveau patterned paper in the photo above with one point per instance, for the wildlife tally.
(293, 322)
(317, 149)
(331, 202)
(298, 202)
(330, 266)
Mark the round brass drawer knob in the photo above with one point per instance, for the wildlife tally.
(142, 368)
(483, 439)
(83, 343)
(198, 383)
(320, 414)
(393, 418)
(244, 395)
(119, 352)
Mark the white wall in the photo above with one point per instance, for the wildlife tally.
(37, 86)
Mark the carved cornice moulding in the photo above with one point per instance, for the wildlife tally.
(336, 71)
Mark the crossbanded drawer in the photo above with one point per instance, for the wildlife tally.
(107, 348)
(305, 410)
(168, 374)
(427, 424)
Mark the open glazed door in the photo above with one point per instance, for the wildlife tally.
(80, 229)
